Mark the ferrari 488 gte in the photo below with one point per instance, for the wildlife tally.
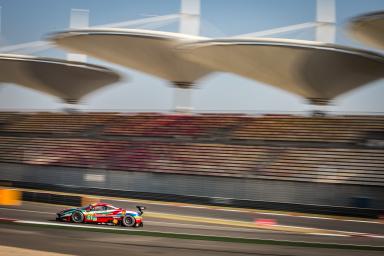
(103, 213)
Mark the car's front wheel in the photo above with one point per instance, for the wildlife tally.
(128, 221)
(77, 217)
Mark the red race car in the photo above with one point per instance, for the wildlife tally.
(103, 213)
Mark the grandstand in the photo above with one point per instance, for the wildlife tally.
(292, 148)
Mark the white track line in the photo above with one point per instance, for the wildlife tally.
(328, 234)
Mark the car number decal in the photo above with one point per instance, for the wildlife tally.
(91, 216)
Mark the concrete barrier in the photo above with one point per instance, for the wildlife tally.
(220, 189)
(58, 198)
(52, 198)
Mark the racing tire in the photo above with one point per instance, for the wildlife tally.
(77, 217)
(128, 221)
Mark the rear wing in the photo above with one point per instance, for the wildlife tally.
(140, 209)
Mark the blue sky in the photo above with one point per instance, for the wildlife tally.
(24, 21)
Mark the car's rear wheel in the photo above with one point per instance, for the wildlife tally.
(128, 221)
(77, 217)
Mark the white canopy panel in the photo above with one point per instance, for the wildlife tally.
(67, 80)
(316, 71)
(369, 29)
(152, 52)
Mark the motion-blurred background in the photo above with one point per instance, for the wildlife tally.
(250, 122)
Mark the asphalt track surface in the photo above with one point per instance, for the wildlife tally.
(189, 219)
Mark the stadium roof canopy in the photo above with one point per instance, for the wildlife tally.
(67, 80)
(316, 71)
(152, 52)
(369, 29)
